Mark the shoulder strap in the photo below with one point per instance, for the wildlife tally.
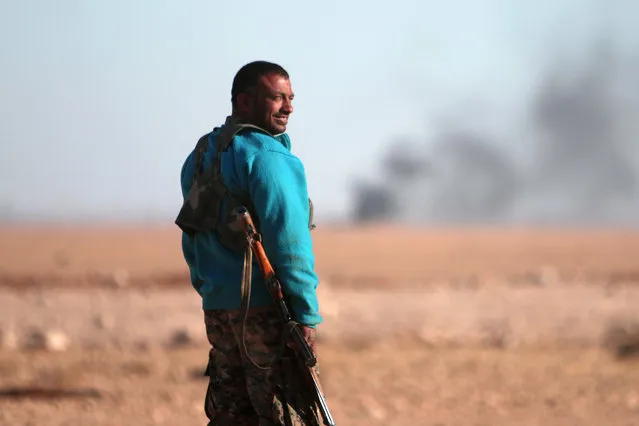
(231, 127)
(209, 203)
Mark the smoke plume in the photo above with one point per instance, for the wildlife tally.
(584, 129)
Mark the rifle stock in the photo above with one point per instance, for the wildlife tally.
(305, 355)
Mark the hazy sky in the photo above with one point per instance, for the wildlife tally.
(101, 101)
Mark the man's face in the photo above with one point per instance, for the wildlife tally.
(270, 105)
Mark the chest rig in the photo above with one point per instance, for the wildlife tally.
(210, 206)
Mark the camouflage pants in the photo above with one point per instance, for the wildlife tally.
(240, 393)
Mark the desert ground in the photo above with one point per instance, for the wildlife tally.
(477, 327)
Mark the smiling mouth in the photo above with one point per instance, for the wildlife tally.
(281, 119)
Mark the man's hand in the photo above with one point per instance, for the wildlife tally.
(310, 335)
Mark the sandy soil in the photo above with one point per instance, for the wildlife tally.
(447, 327)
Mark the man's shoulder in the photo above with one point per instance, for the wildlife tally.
(187, 172)
(187, 164)
(255, 142)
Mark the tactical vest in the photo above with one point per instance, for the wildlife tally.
(210, 206)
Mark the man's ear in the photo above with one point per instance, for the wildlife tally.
(244, 103)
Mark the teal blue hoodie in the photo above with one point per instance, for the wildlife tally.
(262, 167)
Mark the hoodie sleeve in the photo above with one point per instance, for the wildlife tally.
(188, 250)
(188, 245)
(278, 189)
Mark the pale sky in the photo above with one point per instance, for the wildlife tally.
(101, 102)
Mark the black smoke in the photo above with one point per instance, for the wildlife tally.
(583, 168)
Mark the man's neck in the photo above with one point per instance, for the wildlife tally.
(243, 120)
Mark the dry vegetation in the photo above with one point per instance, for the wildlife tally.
(431, 327)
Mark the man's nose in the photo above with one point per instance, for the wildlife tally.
(287, 106)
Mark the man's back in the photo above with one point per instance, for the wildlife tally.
(261, 168)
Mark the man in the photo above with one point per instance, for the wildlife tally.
(259, 168)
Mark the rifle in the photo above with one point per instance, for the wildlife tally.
(305, 356)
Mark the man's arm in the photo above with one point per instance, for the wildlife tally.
(188, 250)
(188, 245)
(277, 187)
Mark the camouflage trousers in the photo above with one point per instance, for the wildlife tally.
(241, 393)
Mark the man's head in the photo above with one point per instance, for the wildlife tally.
(261, 95)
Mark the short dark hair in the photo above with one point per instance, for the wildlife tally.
(249, 75)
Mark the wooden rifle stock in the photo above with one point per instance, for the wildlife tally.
(305, 354)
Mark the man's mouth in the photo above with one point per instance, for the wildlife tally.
(281, 119)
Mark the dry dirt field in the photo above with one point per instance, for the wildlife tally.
(429, 327)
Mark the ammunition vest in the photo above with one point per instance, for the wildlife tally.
(210, 206)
